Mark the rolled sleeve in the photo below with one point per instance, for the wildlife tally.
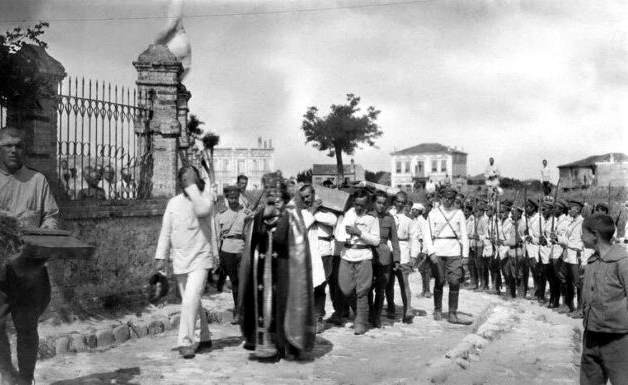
(371, 235)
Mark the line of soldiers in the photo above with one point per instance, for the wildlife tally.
(510, 243)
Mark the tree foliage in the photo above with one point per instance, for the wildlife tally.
(342, 130)
(20, 83)
(194, 127)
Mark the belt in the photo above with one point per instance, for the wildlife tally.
(356, 247)
(445, 238)
(234, 236)
(326, 238)
(403, 239)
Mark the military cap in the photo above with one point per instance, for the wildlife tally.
(230, 189)
(518, 208)
(547, 205)
(563, 203)
(507, 202)
(532, 202)
(449, 193)
(603, 205)
(560, 203)
(418, 206)
(574, 202)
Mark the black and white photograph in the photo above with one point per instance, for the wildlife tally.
(296, 192)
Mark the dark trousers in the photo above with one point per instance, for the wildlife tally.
(229, 266)
(475, 254)
(496, 274)
(523, 274)
(426, 274)
(402, 278)
(570, 275)
(319, 291)
(604, 357)
(355, 279)
(381, 276)
(510, 274)
(25, 298)
(483, 271)
(340, 304)
(551, 272)
(447, 269)
(547, 188)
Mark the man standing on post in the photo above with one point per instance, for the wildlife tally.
(546, 175)
(230, 224)
(358, 232)
(24, 285)
(447, 245)
(320, 224)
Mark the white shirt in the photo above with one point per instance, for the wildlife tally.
(546, 174)
(572, 238)
(185, 238)
(368, 225)
(448, 233)
(532, 247)
(430, 187)
(416, 238)
(404, 233)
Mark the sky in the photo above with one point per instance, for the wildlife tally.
(517, 80)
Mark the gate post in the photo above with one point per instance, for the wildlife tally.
(159, 75)
(38, 118)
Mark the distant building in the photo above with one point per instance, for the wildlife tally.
(322, 172)
(254, 162)
(413, 166)
(597, 170)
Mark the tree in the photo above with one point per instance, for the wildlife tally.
(305, 176)
(20, 83)
(370, 176)
(342, 130)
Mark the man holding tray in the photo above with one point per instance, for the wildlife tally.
(24, 285)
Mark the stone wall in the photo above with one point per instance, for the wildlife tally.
(125, 236)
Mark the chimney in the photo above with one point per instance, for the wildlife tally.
(259, 142)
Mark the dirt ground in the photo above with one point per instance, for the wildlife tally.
(539, 348)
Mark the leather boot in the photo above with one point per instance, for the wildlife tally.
(453, 310)
(438, 304)
(361, 316)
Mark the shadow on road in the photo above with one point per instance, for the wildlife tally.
(119, 377)
(222, 343)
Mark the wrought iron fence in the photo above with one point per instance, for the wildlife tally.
(3, 116)
(100, 156)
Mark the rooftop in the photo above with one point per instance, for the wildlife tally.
(330, 169)
(592, 160)
(428, 148)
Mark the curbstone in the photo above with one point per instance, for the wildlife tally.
(62, 345)
(138, 329)
(175, 320)
(104, 338)
(464, 364)
(78, 343)
(91, 340)
(121, 334)
(46, 348)
(155, 327)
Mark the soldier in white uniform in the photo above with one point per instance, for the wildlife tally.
(447, 245)
(532, 239)
(572, 242)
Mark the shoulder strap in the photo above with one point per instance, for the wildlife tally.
(448, 222)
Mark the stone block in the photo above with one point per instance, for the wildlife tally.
(121, 333)
(62, 345)
(105, 338)
(78, 343)
(138, 329)
(155, 327)
(91, 340)
(175, 320)
(46, 348)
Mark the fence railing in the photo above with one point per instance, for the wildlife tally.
(100, 156)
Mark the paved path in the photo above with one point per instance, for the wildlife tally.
(396, 354)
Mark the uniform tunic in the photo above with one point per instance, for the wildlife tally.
(404, 233)
(320, 227)
(572, 238)
(448, 233)
(356, 247)
(532, 246)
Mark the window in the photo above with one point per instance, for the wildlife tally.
(443, 165)
(398, 167)
(241, 166)
(254, 165)
(407, 169)
(266, 165)
(418, 170)
(434, 166)
(225, 164)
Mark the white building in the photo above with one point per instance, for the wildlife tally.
(415, 165)
(322, 172)
(254, 162)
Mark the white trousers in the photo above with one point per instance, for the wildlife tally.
(191, 287)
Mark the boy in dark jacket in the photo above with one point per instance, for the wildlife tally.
(605, 298)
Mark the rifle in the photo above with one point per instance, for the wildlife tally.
(525, 213)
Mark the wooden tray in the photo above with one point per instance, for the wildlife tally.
(335, 200)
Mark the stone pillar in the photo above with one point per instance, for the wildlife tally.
(159, 74)
(185, 142)
(37, 115)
